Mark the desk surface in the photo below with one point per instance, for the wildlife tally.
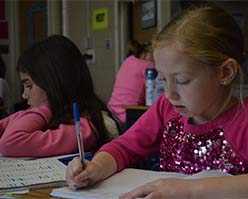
(128, 107)
(36, 194)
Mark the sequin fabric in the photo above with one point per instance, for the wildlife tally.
(190, 153)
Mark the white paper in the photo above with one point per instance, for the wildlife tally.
(17, 175)
(126, 181)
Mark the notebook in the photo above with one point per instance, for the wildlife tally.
(125, 181)
(18, 175)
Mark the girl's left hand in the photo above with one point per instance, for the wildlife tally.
(162, 188)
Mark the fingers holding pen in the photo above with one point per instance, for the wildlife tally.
(89, 176)
(74, 169)
(77, 177)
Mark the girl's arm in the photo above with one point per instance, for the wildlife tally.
(100, 167)
(3, 125)
(18, 132)
(6, 121)
(143, 138)
(25, 137)
(221, 187)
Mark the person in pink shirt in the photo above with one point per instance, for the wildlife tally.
(199, 124)
(129, 87)
(54, 74)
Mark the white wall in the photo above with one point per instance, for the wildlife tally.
(74, 19)
(77, 20)
(12, 76)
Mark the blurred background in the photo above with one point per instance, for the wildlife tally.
(100, 28)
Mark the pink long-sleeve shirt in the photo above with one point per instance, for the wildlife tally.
(129, 88)
(219, 144)
(21, 135)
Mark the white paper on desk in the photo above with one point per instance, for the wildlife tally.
(18, 192)
(125, 181)
(18, 175)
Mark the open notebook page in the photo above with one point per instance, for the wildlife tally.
(125, 181)
(18, 175)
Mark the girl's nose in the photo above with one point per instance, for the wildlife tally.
(24, 95)
(171, 93)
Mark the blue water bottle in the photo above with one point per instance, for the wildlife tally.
(159, 88)
(151, 74)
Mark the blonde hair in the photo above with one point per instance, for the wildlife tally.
(206, 33)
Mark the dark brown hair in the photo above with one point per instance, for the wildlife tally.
(57, 66)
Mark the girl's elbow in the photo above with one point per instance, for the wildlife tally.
(9, 149)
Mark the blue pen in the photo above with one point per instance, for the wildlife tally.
(79, 134)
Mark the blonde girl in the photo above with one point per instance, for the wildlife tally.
(198, 125)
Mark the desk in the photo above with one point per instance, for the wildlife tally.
(36, 194)
(133, 113)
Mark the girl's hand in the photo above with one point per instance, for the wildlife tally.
(77, 177)
(162, 188)
(99, 168)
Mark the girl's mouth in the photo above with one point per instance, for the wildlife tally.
(179, 109)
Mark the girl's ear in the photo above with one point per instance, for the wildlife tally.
(228, 71)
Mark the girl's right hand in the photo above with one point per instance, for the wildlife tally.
(77, 177)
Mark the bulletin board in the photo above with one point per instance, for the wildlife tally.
(148, 14)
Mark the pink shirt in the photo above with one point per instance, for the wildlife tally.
(183, 147)
(21, 135)
(129, 88)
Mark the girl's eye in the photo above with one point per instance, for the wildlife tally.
(162, 78)
(28, 86)
(182, 82)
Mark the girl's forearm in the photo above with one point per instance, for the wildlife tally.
(224, 187)
(106, 163)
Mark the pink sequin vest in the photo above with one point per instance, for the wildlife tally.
(190, 153)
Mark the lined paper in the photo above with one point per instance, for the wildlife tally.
(30, 173)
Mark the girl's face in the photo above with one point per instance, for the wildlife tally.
(32, 92)
(191, 87)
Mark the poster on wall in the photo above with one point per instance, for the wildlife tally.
(37, 22)
(148, 14)
(100, 19)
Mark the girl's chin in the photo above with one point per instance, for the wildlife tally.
(32, 105)
(180, 109)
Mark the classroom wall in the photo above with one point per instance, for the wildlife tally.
(12, 16)
(108, 60)
(78, 27)
(74, 19)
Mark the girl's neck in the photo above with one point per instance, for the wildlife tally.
(227, 104)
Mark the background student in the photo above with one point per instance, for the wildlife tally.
(54, 75)
(198, 125)
(5, 97)
(129, 87)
